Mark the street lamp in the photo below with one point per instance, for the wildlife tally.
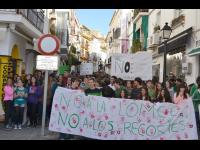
(166, 32)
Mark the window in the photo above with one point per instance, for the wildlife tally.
(178, 12)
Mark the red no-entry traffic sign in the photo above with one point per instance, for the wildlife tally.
(48, 44)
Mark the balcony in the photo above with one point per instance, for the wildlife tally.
(137, 11)
(26, 19)
(178, 21)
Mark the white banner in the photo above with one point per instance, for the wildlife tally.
(121, 119)
(86, 69)
(130, 66)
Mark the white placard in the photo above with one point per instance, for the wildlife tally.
(130, 66)
(47, 62)
(121, 119)
(86, 69)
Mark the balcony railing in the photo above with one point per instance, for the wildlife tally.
(137, 11)
(35, 17)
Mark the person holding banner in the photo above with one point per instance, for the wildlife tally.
(92, 90)
(136, 92)
(119, 88)
(164, 96)
(181, 94)
(196, 103)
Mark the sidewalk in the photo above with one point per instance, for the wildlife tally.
(26, 134)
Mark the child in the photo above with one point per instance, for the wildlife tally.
(20, 95)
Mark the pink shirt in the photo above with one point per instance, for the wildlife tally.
(178, 99)
(9, 91)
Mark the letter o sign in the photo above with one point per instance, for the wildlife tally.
(127, 67)
(48, 44)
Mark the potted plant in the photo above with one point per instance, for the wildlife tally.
(136, 46)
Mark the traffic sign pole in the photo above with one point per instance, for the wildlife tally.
(44, 104)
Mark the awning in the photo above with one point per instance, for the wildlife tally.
(177, 43)
(194, 52)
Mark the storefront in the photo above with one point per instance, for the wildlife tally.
(176, 53)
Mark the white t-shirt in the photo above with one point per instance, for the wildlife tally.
(112, 86)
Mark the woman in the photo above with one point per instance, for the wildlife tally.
(34, 92)
(181, 94)
(158, 90)
(124, 94)
(8, 101)
(151, 90)
(129, 88)
(20, 95)
(144, 94)
(170, 89)
(164, 96)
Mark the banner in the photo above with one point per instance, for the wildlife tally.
(121, 119)
(130, 66)
(86, 69)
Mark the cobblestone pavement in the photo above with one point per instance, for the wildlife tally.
(26, 134)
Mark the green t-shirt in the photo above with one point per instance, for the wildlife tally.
(193, 89)
(152, 93)
(93, 92)
(196, 100)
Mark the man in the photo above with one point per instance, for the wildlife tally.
(112, 79)
(107, 91)
(92, 90)
(178, 83)
(136, 92)
(196, 102)
(118, 88)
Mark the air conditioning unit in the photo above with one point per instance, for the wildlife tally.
(187, 68)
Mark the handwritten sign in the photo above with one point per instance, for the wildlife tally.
(86, 69)
(47, 62)
(121, 119)
(130, 66)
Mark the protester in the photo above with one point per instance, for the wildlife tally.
(144, 94)
(118, 88)
(129, 88)
(112, 79)
(20, 96)
(34, 92)
(178, 83)
(8, 101)
(164, 96)
(136, 92)
(170, 89)
(39, 78)
(124, 94)
(107, 91)
(181, 94)
(158, 90)
(151, 91)
(65, 77)
(92, 90)
(196, 103)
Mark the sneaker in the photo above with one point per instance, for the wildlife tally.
(20, 127)
(15, 127)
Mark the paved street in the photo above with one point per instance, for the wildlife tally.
(26, 134)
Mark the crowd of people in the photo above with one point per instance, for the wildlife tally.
(21, 94)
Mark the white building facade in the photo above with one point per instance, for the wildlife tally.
(185, 24)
